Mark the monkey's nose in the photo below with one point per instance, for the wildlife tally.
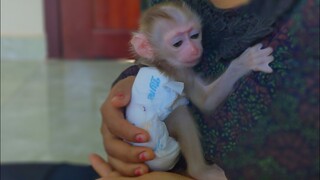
(195, 51)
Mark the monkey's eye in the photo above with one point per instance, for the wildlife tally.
(195, 36)
(177, 44)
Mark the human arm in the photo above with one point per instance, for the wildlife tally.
(126, 159)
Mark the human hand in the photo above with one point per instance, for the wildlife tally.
(256, 59)
(107, 173)
(117, 131)
(229, 4)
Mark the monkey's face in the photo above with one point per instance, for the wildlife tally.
(183, 45)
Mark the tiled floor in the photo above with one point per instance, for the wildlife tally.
(50, 109)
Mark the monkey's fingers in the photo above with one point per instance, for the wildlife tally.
(264, 60)
(128, 169)
(263, 68)
(257, 46)
(269, 59)
(264, 52)
(254, 52)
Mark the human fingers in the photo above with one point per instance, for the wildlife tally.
(122, 128)
(121, 92)
(122, 150)
(100, 165)
(113, 117)
(128, 169)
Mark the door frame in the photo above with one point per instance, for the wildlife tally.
(52, 14)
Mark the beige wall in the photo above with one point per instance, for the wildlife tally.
(22, 29)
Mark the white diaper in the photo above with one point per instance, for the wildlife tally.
(154, 97)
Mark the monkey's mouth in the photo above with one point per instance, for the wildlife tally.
(192, 62)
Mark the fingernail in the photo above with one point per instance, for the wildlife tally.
(117, 97)
(143, 156)
(138, 172)
(120, 95)
(141, 138)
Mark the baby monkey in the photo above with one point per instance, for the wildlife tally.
(168, 45)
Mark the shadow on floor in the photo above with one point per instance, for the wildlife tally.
(48, 171)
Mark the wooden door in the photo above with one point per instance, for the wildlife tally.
(98, 28)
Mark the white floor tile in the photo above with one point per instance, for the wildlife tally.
(50, 109)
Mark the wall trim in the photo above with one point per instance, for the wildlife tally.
(52, 12)
(23, 48)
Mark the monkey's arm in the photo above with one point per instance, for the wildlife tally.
(208, 97)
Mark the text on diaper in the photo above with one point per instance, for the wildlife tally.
(153, 85)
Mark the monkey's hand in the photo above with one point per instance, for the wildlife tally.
(252, 59)
(255, 59)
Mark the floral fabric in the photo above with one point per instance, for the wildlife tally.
(268, 128)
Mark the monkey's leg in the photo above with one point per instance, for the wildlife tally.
(183, 128)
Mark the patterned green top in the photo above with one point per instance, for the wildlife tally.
(268, 128)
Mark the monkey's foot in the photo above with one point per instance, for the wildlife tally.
(212, 172)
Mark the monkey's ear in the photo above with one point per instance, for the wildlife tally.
(142, 46)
